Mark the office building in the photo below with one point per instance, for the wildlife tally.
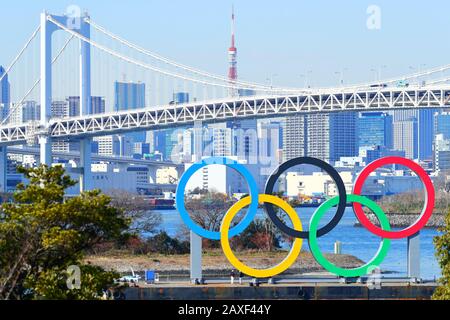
(442, 153)
(417, 134)
(5, 87)
(97, 105)
(245, 140)
(294, 137)
(129, 95)
(172, 136)
(405, 137)
(442, 124)
(270, 138)
(343, 135)
(318, 136)
(375, 129)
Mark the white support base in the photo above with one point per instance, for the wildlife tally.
(45, 155)
(85, 163)
(414, 256)
(3, 168)
(196, 257)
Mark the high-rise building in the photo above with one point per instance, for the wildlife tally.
(375, 129)
(221, 139)
(172, 135)
(97, 105)
(157, 141)
(31, 111)
(5, 94)
(188, 145)
(442, 124)
(245, 140)
(140, 149)
(115, 146)
(74, 106)
(129, 95)
(317, 136)
(107, 145)
(425, 132)
(442, 153)
(405, 137)
(270, 143)
(343, 135)
(15, 114)
(294, 137)
(419, 131)
(324, 136)
(60, 109)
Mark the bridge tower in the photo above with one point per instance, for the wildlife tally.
(79, 25)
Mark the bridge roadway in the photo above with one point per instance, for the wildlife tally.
(171, 116)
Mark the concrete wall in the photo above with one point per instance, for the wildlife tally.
(308, 292)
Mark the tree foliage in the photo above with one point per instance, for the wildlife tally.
(442, 244)
(42, 233)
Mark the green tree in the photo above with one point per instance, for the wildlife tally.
(42, 233)
(442, 244)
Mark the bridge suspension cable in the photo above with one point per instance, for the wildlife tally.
(228, 85)
(174, 63)
(17, 105)
(251, 84)
(403, 78)
(27, 44)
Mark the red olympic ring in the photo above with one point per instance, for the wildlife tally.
(429, 198)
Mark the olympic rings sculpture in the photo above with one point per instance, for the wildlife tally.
(297, 231)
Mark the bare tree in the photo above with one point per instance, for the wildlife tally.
(136, 208)
(209, 209)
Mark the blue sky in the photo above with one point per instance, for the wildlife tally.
(286, 38)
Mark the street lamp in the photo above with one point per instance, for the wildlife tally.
(378, 72)
(271, 79)
(306, 76)
(341, 74)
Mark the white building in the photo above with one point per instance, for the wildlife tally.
(223, 179)
(167, 176)
(118, 145)
(107, 177)
(317, 183)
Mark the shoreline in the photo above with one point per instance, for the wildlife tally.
(405, 220)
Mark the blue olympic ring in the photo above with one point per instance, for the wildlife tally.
(253, 188)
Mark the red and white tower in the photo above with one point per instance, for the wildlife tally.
(232, 56)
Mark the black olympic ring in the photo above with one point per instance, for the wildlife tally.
(337, 180)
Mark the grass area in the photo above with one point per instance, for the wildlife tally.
(212, 260)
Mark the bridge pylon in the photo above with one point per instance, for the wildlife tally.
(79, 25)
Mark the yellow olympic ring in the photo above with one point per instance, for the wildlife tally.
(260, 273)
